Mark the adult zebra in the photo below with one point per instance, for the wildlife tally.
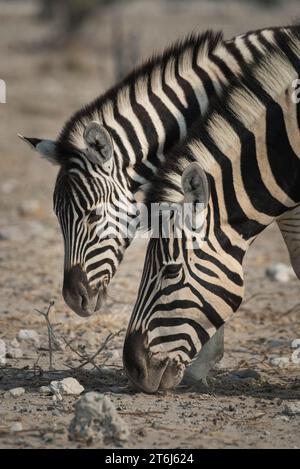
(113, 146)
(243, 165)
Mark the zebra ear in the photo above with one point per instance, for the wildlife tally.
(99, 143)
(195, 184)
(46, 148)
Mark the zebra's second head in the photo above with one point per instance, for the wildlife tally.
(93, 205)
(190, 285)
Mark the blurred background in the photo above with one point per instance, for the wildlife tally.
(57, 55)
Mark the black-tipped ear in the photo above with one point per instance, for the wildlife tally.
(99, 143)
(195, 184)
(46, 148)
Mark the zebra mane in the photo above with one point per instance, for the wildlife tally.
(193, 47)
(244, 100)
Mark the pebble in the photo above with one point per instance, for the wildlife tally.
(280, 272)
(276, 343)
(17, 392)
(29, 336)
(44, 390)
(292, 408)
(16, 427)
(2, 352)
(281, 362)
(68, 386)
(97, 420)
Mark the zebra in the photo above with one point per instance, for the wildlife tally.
(112, 147)
(242, 163)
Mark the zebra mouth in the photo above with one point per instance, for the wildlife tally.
(150, 372)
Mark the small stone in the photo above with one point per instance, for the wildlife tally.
(68, 386)
(44, 390)
(2, 352)
(16, 427)
(280, 272)
(29, 336)
(17, 392)
(281, 362)
(97, 420)
(276, 343)
(292, 408)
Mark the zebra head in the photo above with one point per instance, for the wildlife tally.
(189, 287)
(92, 203)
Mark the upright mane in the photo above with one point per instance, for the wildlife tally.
(193, 47)
(244, 101)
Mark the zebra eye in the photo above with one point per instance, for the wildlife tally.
(94, 216)
(172, 270)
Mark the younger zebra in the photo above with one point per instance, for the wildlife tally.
(243, 165)
(113, 146)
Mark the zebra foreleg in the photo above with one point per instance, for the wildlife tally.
(289, 225)
(210, 354)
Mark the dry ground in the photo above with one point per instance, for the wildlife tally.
(43, 88)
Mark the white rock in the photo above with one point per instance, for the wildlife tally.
(17, 392)
(29, 336)
(16, 427)
(292, 408)
(280, 272)
(69, 386)
(281, 362)
(44, 390)
(2, 352)
(96, 420)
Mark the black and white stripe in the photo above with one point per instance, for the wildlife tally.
(247, 150)
(144, 116)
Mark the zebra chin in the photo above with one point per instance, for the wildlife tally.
(78, 295)
(150, 373)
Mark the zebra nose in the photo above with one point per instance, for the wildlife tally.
(76, 291)
(144, 370)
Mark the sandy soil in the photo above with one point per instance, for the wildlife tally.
(43, 88)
